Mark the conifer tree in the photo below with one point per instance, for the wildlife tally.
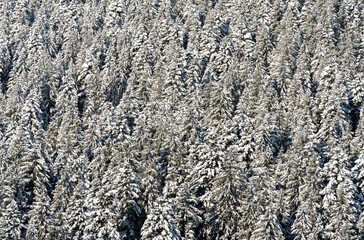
(339, 208)
(66, 167)
(159, 224)
(158, 119)
(11, 220)
(37, 160)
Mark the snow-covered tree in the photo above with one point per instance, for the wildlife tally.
(159, 223)
(66, 167)
(189, 119)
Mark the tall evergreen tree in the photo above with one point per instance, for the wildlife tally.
(66, 167)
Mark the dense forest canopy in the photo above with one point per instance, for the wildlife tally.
(182, 119)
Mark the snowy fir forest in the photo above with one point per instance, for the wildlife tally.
(182, 119)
